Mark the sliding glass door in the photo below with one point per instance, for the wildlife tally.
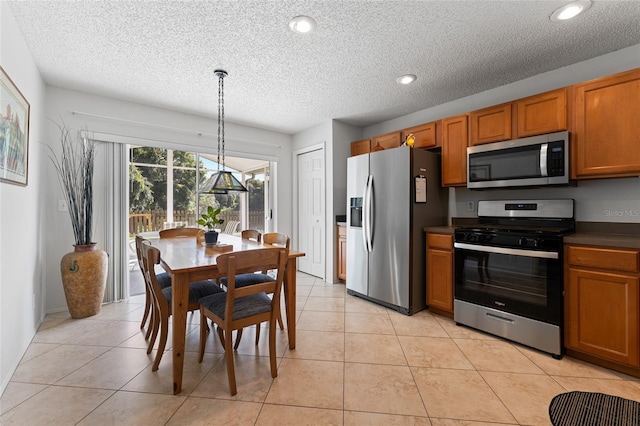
(163, 193)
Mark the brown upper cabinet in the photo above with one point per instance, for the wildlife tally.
(390, 140)
(426, 135)
(491, 124)
(535, 115)
(455, 136)
(543, 113)
(606, 135)
(360, 147)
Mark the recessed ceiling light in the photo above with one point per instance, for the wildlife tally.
(302, 24)
(570, 10)
(406, 79)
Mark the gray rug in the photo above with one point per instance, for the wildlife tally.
(593, 409)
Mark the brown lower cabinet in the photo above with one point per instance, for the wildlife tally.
(440, 273)
(342, 252)
(602, 301)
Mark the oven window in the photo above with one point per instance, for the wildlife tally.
(506, 276)
(522, 285)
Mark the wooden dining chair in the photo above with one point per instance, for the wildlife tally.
(163, 278)
(181, 233)
(164, 281)
(277, 239)
(251, 234)
(240, 307)
(162, 299)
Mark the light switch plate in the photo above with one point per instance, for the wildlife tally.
(62, 206)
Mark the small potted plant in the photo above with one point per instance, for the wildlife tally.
(209, 220)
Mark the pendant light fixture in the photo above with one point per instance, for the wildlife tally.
(223, 181)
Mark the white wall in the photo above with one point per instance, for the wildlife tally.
(336, 137)
(306, 141)
(622, 60)
(119, 118)
(21, 230)
(602, 200)
(343, 135)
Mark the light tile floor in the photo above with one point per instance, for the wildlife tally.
(356, 363)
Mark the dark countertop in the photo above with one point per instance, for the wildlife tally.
(624, 235)
(605, 240)
(440, 229)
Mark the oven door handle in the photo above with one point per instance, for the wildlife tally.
(504, 250)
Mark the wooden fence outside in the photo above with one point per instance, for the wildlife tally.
(154, 220)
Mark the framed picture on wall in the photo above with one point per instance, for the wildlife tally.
(14, 133)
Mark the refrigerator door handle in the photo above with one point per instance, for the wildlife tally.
(364, 215)
(368, 214)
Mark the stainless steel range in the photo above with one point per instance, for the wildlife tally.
(509, 273)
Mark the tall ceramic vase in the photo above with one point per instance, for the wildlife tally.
(84, 278)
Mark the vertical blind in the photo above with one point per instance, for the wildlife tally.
(114, 226)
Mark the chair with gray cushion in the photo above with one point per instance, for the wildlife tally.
(276, 239)
(240, 307)
(163, 278)
(164, 281)
(162, 298)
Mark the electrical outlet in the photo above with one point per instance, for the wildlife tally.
(471, 206)
(62, 206)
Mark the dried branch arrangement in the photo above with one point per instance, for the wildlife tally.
(75, 174)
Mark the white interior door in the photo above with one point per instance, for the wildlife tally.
(311, 223)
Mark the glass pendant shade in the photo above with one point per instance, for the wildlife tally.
(222, 183)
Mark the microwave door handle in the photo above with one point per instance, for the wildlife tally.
(543, 160)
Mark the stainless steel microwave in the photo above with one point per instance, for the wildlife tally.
(534, 161)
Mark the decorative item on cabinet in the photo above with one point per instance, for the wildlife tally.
(491, 124)
(606, 132)
(602, 306)
(409, 140)
(386, 141)
(426, 135)
(455, 137)
(440, 273)
(360, 147)
(378, 147)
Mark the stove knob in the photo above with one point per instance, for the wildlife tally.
(522, 242)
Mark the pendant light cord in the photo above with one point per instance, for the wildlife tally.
(220, 119)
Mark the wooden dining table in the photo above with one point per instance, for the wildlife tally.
(188, 260)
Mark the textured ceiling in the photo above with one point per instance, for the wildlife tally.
(163, 53)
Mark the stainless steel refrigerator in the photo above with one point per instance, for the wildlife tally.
(391, 196)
